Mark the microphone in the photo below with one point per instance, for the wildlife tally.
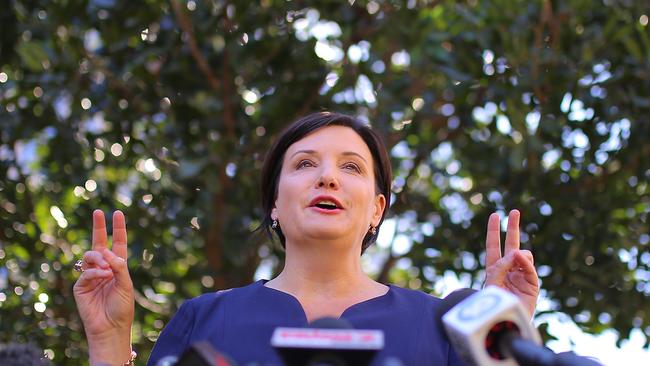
(491, 327)
(327, 342)
(199, 354)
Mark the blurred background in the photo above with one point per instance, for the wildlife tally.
(164, 110)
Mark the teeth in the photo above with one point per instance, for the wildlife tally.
(330, 203)
(326, 204)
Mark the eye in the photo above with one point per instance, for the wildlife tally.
(304, 164)
(352, 166)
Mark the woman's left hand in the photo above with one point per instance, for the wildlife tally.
(515, 270)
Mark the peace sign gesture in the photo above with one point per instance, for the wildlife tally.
(514, 271)
(104, 293)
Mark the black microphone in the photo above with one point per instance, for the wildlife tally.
(528, 353)
(199, 354)
(449, 302)
(327, 342)
(490, 327)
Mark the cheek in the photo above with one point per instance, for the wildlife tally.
(280, 195)
(366, 197)
(288, 188)
(284, 185)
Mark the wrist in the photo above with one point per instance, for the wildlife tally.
(113, 348)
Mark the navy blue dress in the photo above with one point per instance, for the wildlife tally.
(239, 322)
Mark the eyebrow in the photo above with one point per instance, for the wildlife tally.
(345, 153)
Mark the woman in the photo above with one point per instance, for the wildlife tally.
(325, 187)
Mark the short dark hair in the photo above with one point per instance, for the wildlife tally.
(301, 128)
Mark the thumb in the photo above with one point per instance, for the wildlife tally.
(119, 268)
(496, 273)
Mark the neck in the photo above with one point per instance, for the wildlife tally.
(326, 268)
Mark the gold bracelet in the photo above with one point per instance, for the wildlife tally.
(131, 361)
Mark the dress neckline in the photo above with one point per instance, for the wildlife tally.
(377, 299)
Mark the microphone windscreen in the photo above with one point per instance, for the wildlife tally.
(449, 302)
(470, 325)
(329, 322)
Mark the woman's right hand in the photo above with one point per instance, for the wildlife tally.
(104, 293)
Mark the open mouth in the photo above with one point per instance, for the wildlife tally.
(326, 205)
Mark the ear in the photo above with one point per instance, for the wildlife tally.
(378, 211)
(274, 213)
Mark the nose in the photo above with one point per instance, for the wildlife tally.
(327, 178)
(328, 182)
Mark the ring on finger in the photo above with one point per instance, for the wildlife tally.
(78, 266)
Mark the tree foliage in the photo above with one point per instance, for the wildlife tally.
(164, 110)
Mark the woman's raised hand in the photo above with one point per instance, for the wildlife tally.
(515, 270)
(104, 293)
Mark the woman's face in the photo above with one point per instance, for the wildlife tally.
(327, 188)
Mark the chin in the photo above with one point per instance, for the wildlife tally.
(325, 232)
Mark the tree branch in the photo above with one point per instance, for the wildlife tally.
(546, 16)
(186, 27)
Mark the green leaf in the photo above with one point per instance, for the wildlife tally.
(19, 252)
(32, 54)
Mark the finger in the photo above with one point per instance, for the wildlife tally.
(512, 235)
(523, 262)
(529, 274)
(99, 231)
(497, 272)
(119, 267)
(493, 241)
(528, 255)
(510, 262)
(88, 276)
(119, 234)
(93, 259)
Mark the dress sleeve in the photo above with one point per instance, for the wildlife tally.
(174, 338)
